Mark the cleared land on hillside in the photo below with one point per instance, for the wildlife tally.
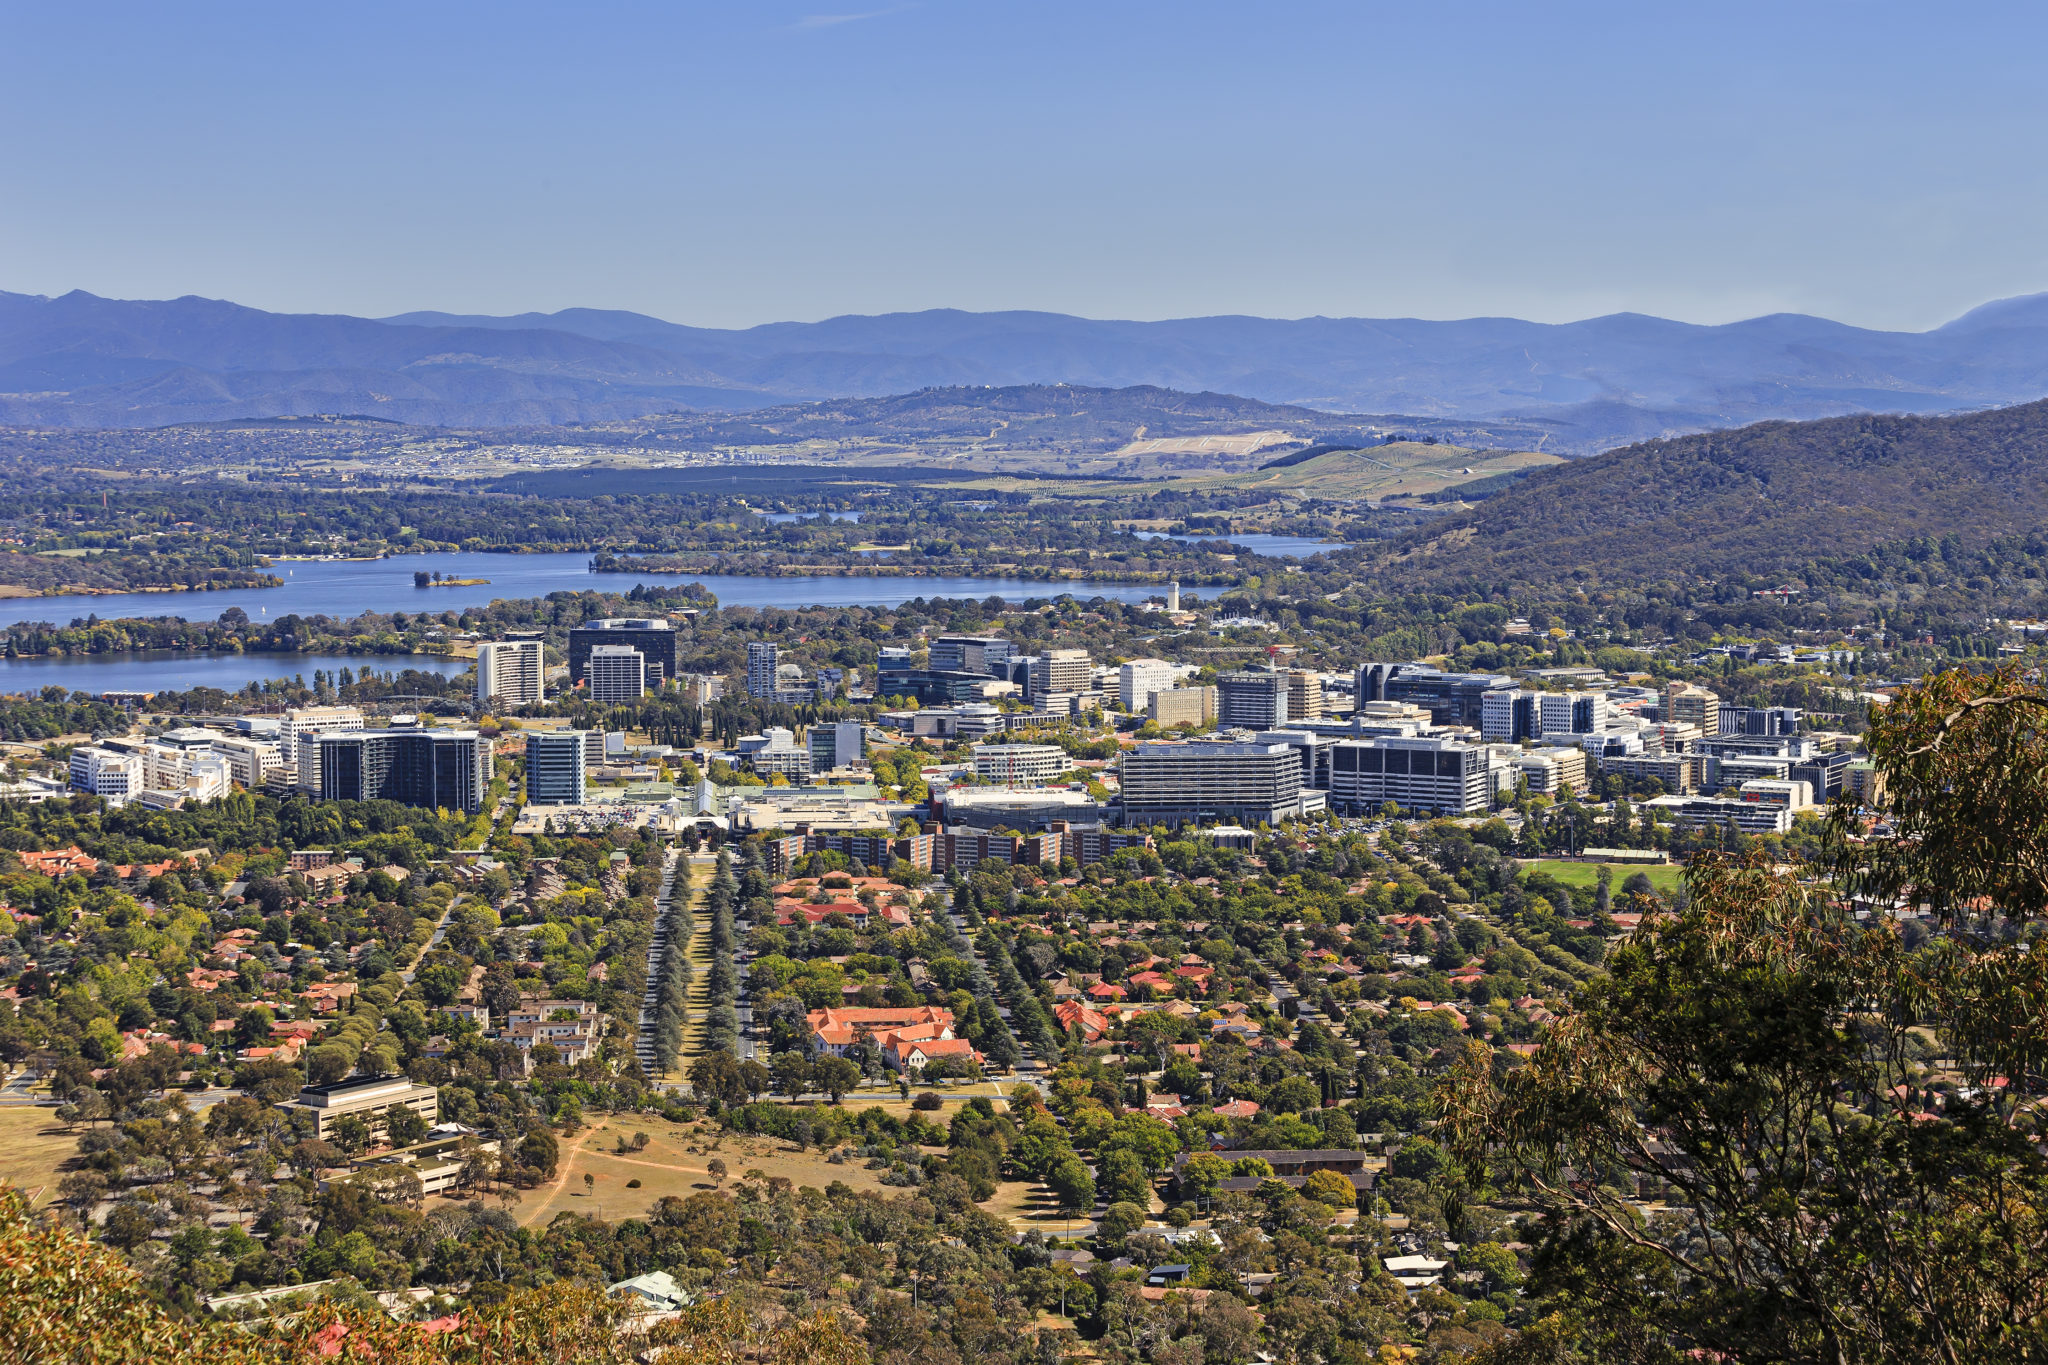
(1406, 469)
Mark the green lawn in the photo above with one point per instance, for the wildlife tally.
(1665, 878)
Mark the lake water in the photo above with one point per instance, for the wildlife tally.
(181, 670)
(1255, 542)
(344, 588)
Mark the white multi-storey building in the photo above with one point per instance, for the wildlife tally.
(1137, 680)
(305, 725)
(615, 674)
(509, 672)
(118, 777)
(1019, 763)
(1179, 783)
(764, 664)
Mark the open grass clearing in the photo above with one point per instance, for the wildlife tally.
(33, 1146)
(676, 1161)
(1665, 877)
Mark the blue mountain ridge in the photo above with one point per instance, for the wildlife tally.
(83, 361)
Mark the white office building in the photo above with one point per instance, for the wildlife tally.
(250, 761)
(615, 674)
(1137, 680)
(190, 774)
(1571, 713)
(1019, 764)
(508, 673)
(118, 777)
(775, 750)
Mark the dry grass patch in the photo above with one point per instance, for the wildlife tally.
(33, 1145)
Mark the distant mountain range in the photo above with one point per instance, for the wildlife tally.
(80, 360)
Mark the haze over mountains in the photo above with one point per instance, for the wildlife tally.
(83, 361)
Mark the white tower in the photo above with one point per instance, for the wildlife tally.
(1173, 595)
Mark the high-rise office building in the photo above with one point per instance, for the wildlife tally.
(1255, 699)
(1059, 670)
(654, 637)
(1304, 695)
(1571, 713)
(1372, 682)
(836, 744)
(1437, 775)
(1683, 704)
(615, 674)
(1137, 680)
(509, 672)
(554, 767)
(1509, 715)
(989, 654)
(430, 768)
(301, 727)
(764, 665)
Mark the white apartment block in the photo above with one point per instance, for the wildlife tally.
(509, 673)
(1018, 764)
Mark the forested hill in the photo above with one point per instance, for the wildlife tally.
(1762, 500)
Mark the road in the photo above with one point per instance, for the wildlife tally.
(440, 932)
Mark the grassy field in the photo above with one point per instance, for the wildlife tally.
(675, 1161)
(32, 1146)
(1665, 879)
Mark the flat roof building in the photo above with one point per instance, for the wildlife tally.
(1437, 775)
(369, 1098)
(654, 637)
(1190, 783)
(554, 767)
(431, 768)
(508, 672)
(615, 674)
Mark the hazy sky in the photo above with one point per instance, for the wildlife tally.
(740, 163)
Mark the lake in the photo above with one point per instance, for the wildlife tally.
(1255, 542)
(785, 518)
(181, 670)
(344, 588)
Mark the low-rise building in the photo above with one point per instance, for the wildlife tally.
(369, 1098)
(1019, 763)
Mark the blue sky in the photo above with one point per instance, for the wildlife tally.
(732, 164)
